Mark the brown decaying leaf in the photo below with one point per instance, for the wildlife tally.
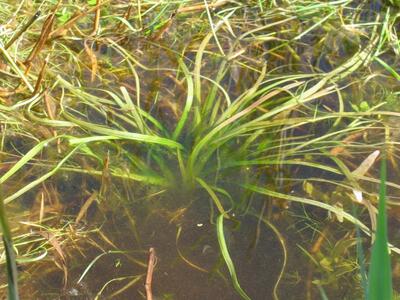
(85, 206)
(62, 264)
(44, 35)
(93, 61)
(351, 138)
(41, 76)
(62, 30)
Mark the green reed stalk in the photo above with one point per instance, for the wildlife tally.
(10, 257)
(380, 274)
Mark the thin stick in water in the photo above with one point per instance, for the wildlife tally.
(150, 270)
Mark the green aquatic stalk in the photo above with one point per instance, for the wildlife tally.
(380, 274)
(26, 158)
(212, 194)
(121, 134)
(15, 67)
(227, 257)
(360, 255)
(11, 265)
(41, 179)
(388, 68)
(189, 101)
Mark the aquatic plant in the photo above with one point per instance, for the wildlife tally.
(12, 277)
(157, 107)
(380, 271)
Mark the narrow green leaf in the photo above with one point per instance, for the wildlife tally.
(27, 157)
(212, 194)
(189, 101)
(11, 265)
(380, 274)
(227, 257)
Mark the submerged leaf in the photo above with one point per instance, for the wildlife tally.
(227, 257)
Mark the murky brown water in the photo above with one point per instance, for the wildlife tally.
(105, 254)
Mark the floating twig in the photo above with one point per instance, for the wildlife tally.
(150, 270)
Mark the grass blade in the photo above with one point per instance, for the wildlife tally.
(360, 255)
(25, 159)
(9, 251)
(380, 274)
(227, 257)
(189, 101)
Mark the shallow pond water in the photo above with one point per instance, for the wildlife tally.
(167, 116)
